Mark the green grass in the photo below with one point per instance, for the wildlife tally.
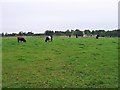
(63, 63)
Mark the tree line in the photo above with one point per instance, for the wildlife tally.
(102, 33)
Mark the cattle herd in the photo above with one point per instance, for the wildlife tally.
(47, 38)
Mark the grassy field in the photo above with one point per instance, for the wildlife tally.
(63, 63)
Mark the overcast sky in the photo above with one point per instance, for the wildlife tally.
(41, 15)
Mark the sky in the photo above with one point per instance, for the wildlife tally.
(41, 15)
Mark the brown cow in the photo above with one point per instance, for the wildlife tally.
(21, 38)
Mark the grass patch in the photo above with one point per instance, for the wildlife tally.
(63, 63)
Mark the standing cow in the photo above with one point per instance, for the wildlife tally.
(48, 38)
(21, 38)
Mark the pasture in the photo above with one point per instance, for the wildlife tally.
(63, 63)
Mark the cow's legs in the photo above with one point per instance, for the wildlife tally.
(18, 40)
(45, 40)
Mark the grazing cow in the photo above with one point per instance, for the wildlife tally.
(48, 38)
(97, 36)
(21, 38)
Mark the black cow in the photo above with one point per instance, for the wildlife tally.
(48, 38)
(21, 38)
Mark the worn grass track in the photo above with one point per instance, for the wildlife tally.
(63, 63)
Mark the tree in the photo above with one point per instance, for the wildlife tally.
(48, 32)
(78, 32)
(102, 33)
(13, 34)
(6, 34)
(118, 31)
(20, 33)
(67, 32)
(72, 32)
(2, 34)
(59, 33)
(87, 32)
(29, 33)
(93, 32)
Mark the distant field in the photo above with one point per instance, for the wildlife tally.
(63, 63)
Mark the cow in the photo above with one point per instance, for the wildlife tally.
(48, 38)
(97, 36)
(21, 38)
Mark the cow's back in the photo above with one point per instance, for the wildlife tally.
(20, 37)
